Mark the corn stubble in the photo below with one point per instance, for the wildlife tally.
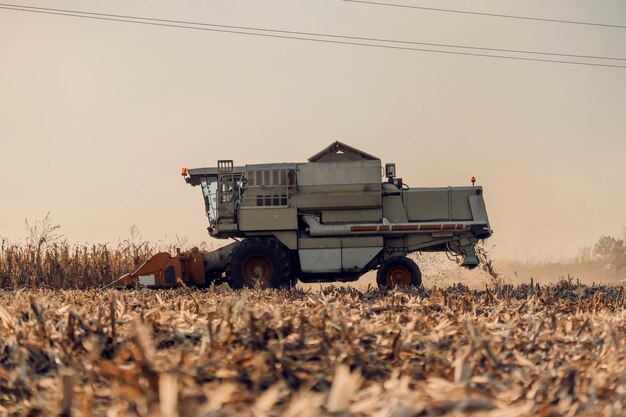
(509, 351)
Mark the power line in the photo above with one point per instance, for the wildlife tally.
(142, 21)
(507, 16)
(367, 39)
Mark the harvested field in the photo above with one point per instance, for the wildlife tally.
(513, 351)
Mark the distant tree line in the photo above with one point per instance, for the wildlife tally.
(608, 247)
(611, 249)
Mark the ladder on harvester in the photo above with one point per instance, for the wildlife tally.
(225, 191)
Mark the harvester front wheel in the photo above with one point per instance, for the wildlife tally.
(398, 272)
(258, 262)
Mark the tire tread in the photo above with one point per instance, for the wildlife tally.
(281, 277)
(414, 270)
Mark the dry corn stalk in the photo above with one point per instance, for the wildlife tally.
(555, 350)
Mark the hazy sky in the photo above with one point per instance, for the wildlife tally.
(97, 118)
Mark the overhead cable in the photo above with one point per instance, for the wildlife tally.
(368, 39)
(283, 34)
(506, 16)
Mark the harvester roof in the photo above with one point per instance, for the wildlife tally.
(338, 151)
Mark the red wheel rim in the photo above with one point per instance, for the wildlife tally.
(398, 276)
(257, 270)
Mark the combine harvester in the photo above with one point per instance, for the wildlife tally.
(329, 219)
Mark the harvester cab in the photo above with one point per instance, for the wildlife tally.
(332, 218)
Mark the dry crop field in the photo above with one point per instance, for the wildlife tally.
(510, 351)
(44, 261)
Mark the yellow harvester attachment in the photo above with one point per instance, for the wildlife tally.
(164, 270)
(193, 268)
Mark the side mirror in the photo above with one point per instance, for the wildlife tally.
(390, 170)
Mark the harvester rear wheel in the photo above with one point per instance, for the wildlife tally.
(258, 262)
(398, 272)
